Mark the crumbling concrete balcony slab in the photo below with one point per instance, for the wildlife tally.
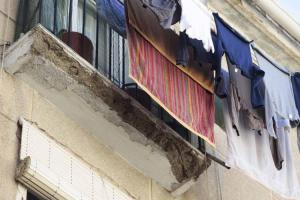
(97, 105)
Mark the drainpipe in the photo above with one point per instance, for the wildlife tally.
(279, 15)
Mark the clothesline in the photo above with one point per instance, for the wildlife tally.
(284, 70)
(257, 49)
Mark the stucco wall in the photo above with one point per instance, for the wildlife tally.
(8, 17)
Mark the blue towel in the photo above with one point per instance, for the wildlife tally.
(238, 51)
(113, 12)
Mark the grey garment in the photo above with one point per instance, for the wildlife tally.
(242, 112)
(241, 99)
(168, 12)
(275, 147)
(276, 151)
(254, 118)
(279, 96)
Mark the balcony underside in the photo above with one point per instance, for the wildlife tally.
(107, 112)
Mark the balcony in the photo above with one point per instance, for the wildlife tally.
(89, 83)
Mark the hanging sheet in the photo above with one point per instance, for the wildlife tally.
(177, 93)
(113, 12)
(166, 42)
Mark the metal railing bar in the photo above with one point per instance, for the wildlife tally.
(130, 84)
(202, 149)
(55, 17)
(97, 42)
(123, 63)
(40, 10)
(110, 52)
(83, 27)
(70, 21)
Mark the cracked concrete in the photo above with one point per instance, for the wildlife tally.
(53, 65)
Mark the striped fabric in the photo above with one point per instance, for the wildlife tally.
(176, 92)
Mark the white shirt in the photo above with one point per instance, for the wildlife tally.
(196, 21)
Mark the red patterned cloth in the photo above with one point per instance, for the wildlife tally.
(183, 98)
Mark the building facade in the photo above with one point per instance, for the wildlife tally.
(106, 138)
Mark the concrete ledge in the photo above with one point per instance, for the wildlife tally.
(98, 106)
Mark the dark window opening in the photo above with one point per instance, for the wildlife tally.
(31, 196)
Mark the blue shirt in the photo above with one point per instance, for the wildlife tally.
(238, 51)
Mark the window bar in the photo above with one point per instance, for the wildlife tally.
(83, 17)
(161, 113)
(70, 20)
(188, 135)
(25, 22)
(113, 57)
(40, 10)
(136, 91)
(123, 63)
(97, 41)
(55, 17)
(110, 52)
(83, 28)
(119, 61)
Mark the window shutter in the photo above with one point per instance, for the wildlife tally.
(53, 172)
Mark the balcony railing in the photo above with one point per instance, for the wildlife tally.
(77, 24)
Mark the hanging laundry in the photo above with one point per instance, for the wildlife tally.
(250, 153)
(196, 22)
(200, 54)
(240, 94)
(280, 107)
(238, 51)
(296, 87)
(168, 12)
(166, 42)
(113, 12)
(177, 93)
(221, 89)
